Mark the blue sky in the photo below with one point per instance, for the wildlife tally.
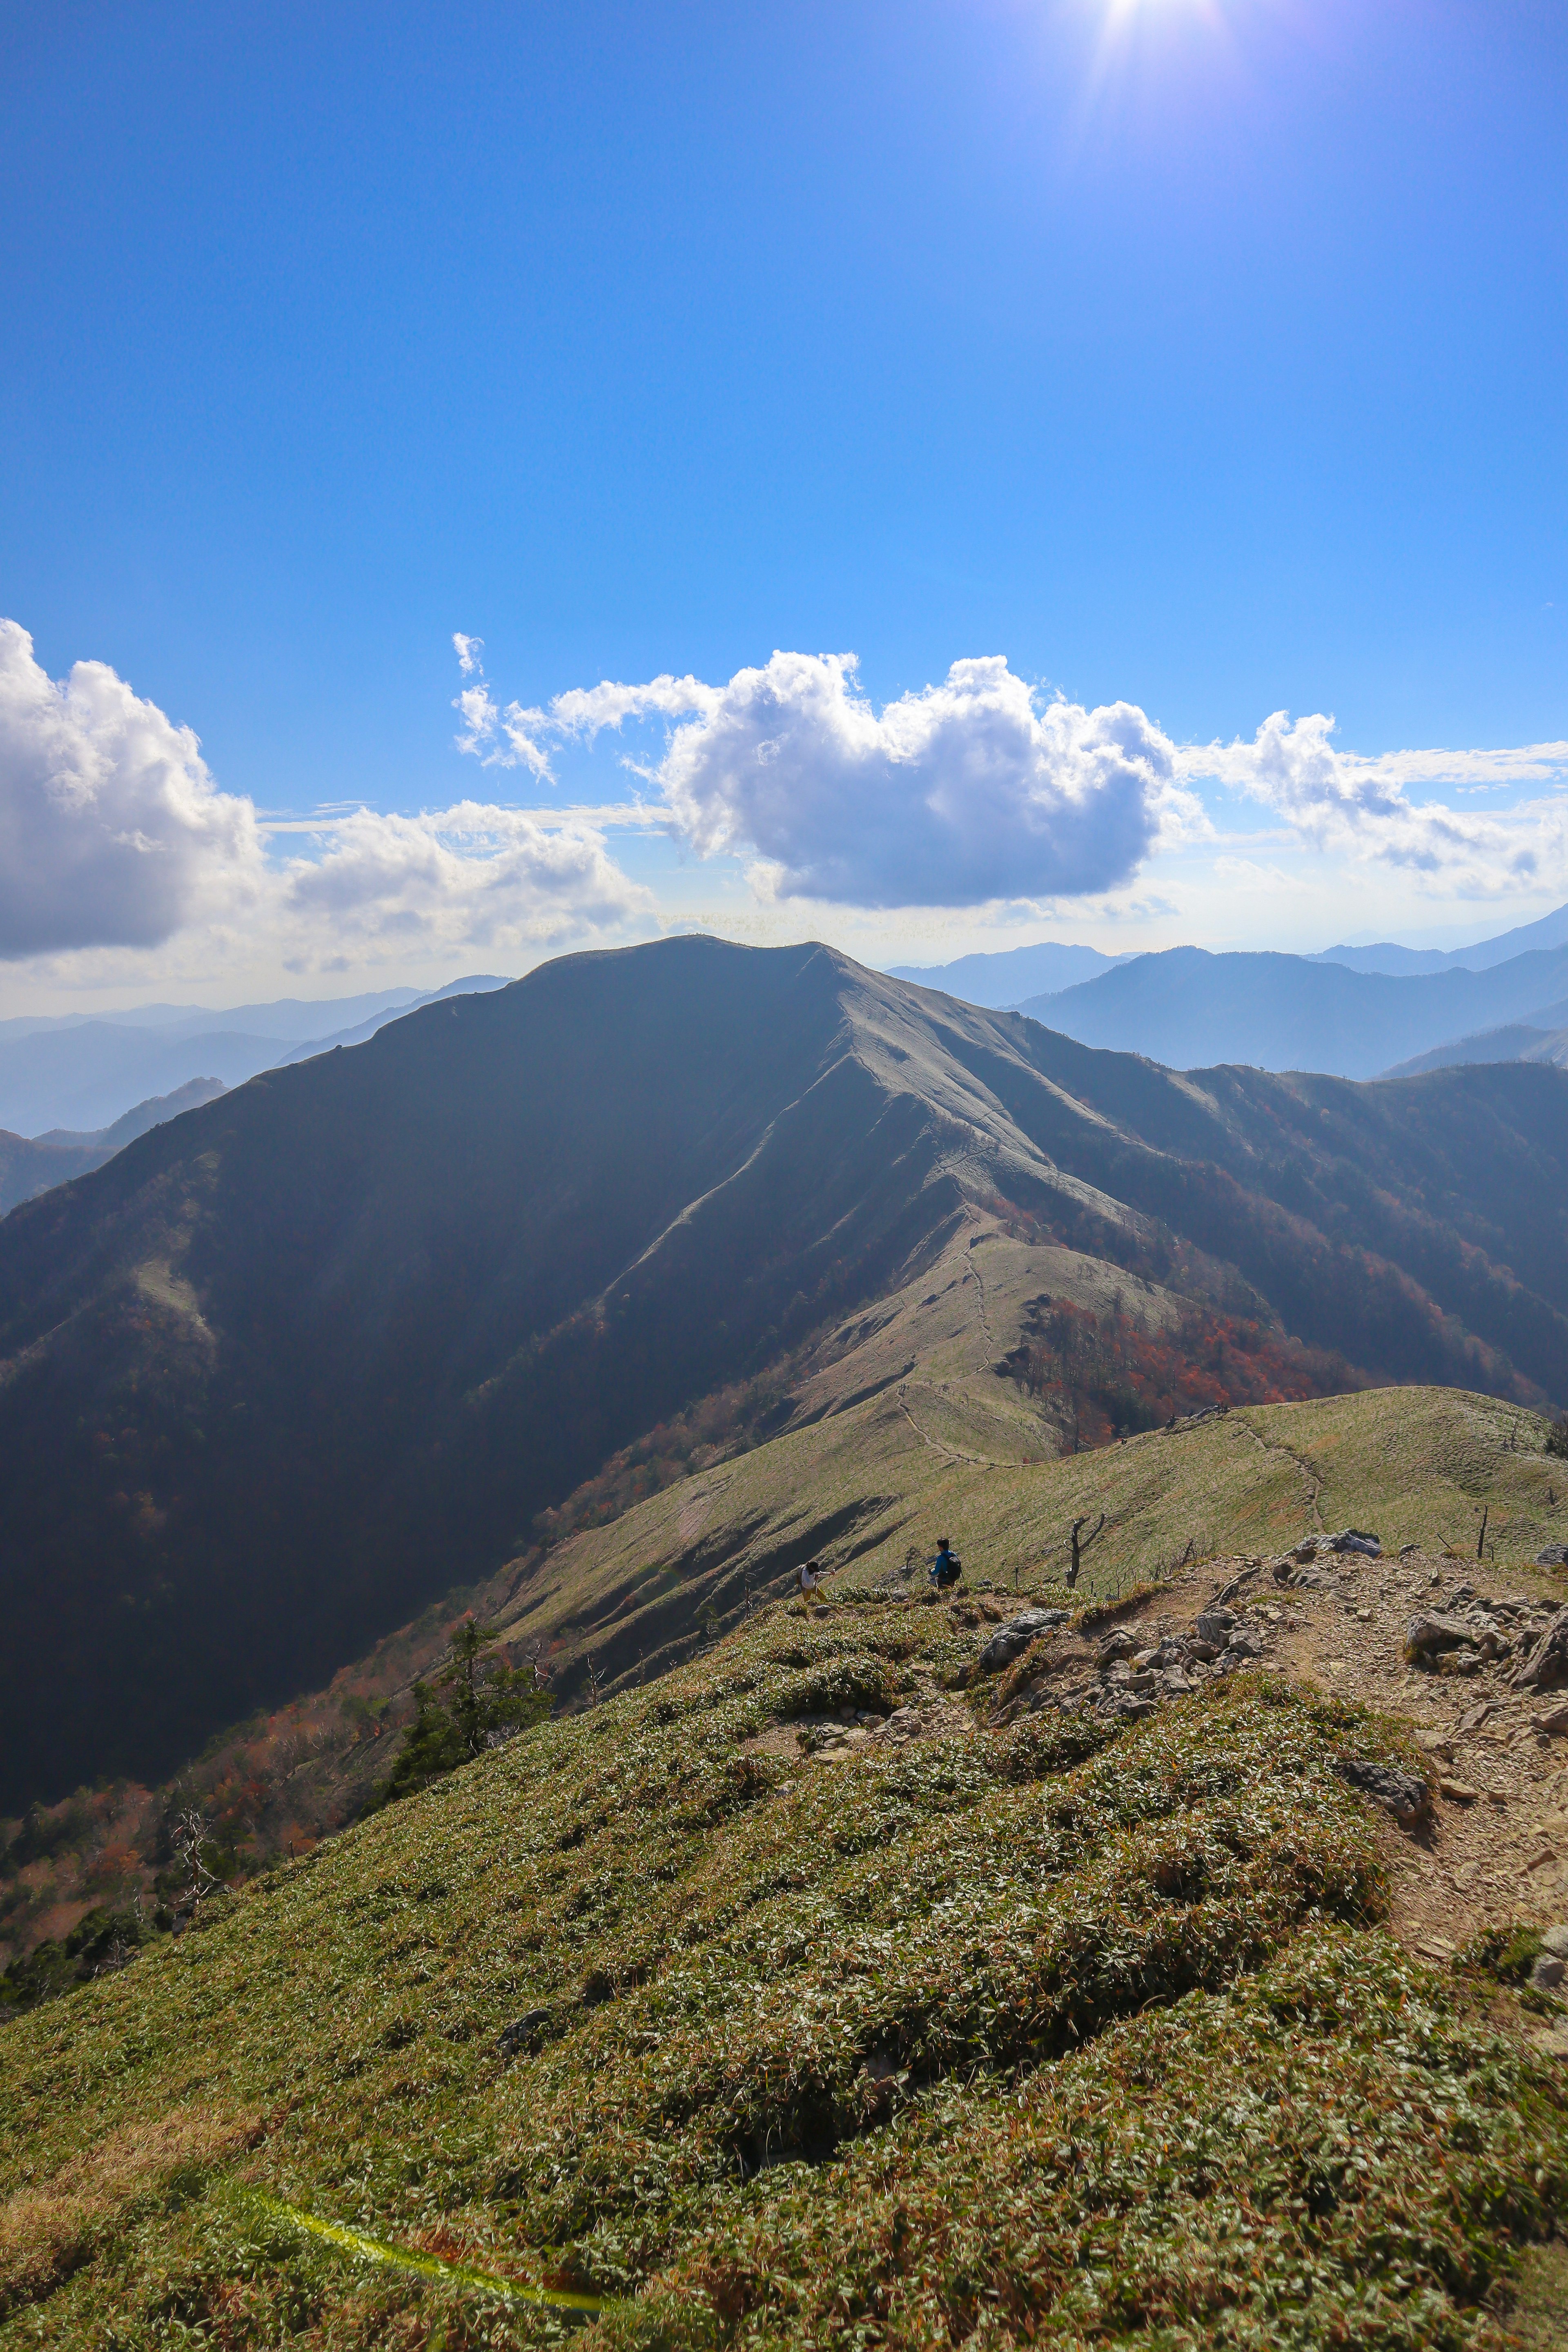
(1203, 355)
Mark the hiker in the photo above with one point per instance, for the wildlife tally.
(946, 1568)
(811, 1578)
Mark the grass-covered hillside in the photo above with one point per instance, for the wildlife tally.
(1062, 2035)
(903, 1431)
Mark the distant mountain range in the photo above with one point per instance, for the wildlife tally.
(29, 1166)
(84, 1073)
(1016, 976)
(1518, 1040)
(1010, 974)
(293, 1364)
(1189, 1009)
(1550, 932)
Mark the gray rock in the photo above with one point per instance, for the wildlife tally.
(1547, 1665)
(1404, 1794)
(1011, 1640)
(1554, 1556)
(1428, 1634)
(526, 2033)
(1122, 1644)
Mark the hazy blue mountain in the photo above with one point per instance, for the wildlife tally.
(82, 1075)
(31, 1165)
(1517, 1041)
(1187, 1008)
(1550, 932)
(478, 983)
(289, 1017)
(86, 1077)
(998, 980)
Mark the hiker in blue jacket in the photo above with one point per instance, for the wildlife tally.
(946, 1568)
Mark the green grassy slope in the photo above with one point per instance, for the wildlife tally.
(1063, 2038)
(944, 1444)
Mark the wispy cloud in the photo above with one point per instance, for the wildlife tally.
(1352, 804)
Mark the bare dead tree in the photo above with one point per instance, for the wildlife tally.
(188, 1834)
(1081, 1543)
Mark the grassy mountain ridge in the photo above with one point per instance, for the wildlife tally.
(866, 1481)
(282, 1373)
(1043, 2030)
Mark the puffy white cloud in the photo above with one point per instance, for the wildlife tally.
(1345, 803)
(472, 876)
(111, 831)
(962, 794)
(113, 836)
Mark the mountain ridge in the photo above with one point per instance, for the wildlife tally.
(333, 1343)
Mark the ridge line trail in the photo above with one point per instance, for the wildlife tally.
(952, 1452)
(971, 1268)
(1269, 1445)
(938, 1446)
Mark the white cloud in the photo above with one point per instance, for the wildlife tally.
(112, 830)
(113, 836)
(959, 794)
(1345, 803)
(962, 794)
(510, 736)
(472, 876)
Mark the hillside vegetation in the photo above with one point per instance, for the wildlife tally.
(1070, 2032)
(869, 1485)
(288, 1368)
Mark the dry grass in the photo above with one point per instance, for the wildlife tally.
(50, 2226)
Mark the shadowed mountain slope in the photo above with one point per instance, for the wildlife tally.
(282, 1371)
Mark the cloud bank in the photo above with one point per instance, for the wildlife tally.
(1346, 803)
(113, 835)
(111, 831)
(472, 875)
